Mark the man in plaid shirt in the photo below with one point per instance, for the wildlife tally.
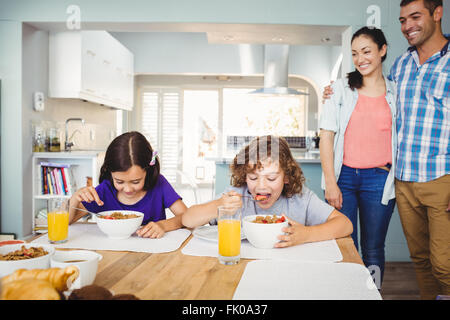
(422, 185)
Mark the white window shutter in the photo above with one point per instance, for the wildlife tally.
(160, 124)
(150, 117)
(170, 135)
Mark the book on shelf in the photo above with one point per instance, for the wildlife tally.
(57, 183)
(56, 179)
(66, 189)
(44, 180)
(49, 182)
(71, 183)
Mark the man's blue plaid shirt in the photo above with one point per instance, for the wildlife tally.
(423, 115)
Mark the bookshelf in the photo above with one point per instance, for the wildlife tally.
(80, 164)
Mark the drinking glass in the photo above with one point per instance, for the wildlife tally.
(58, 220)
(229, 226)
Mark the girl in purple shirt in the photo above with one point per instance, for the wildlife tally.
(130, 180)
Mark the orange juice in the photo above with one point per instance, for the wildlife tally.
(229, 237)
(58, 226)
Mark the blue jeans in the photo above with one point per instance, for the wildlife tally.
(363, 189)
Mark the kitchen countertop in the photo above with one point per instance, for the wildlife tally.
(312, 156)
(69, 154)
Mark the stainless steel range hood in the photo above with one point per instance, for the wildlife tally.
(276, 59)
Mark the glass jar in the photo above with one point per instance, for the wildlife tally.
(38, 139)
(54, 144)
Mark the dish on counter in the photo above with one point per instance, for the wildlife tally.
(210, 233)
(119, 228)
(8, 242)
(23, 253)
(262, 235)
(37, 262)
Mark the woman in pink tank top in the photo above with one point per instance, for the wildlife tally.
(356, 146)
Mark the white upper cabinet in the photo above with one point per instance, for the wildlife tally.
(91, 65)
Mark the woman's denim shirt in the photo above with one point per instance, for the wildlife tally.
(335, 115)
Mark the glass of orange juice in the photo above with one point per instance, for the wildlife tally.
(229, 226)
(58, 220)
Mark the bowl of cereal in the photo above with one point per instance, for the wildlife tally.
(263, 231)
(24, 256)
(119, 224)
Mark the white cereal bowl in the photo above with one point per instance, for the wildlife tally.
(262, 235)
(119, 228)
(86, 261)
(42, 262)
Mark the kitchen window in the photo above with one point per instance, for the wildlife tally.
(248, 115)
(189, 127)
(200, 133)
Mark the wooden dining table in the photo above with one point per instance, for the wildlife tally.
(175, 276)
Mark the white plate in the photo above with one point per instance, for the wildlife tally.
(209, 233)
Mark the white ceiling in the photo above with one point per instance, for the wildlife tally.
(224, 33)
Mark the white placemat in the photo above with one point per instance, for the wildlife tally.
(315, 251)
(296, 280)
(209, 233)
(89, 236)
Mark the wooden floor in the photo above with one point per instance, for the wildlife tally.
(399, 282)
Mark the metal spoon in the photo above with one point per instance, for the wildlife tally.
(251, 197)
(97, 214)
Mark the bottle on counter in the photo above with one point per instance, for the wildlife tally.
(38, 139)
(53, 141)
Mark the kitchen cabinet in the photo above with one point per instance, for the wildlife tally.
(82, 164)
(93, 66)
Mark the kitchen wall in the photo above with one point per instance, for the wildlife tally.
(98, 119)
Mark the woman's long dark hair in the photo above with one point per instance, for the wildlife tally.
(126, 150)
(355, 79)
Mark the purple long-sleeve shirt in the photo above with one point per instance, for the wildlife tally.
(152, 205)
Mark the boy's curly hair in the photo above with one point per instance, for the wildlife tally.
(270, 147)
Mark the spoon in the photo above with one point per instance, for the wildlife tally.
(258, 197)
(97, 214)
(262, 198)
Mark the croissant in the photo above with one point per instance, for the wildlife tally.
(29, 289)
(60, 279)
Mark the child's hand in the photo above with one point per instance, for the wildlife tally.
(87, 194)
(231, 199)
(152, 230)
(296, 234)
